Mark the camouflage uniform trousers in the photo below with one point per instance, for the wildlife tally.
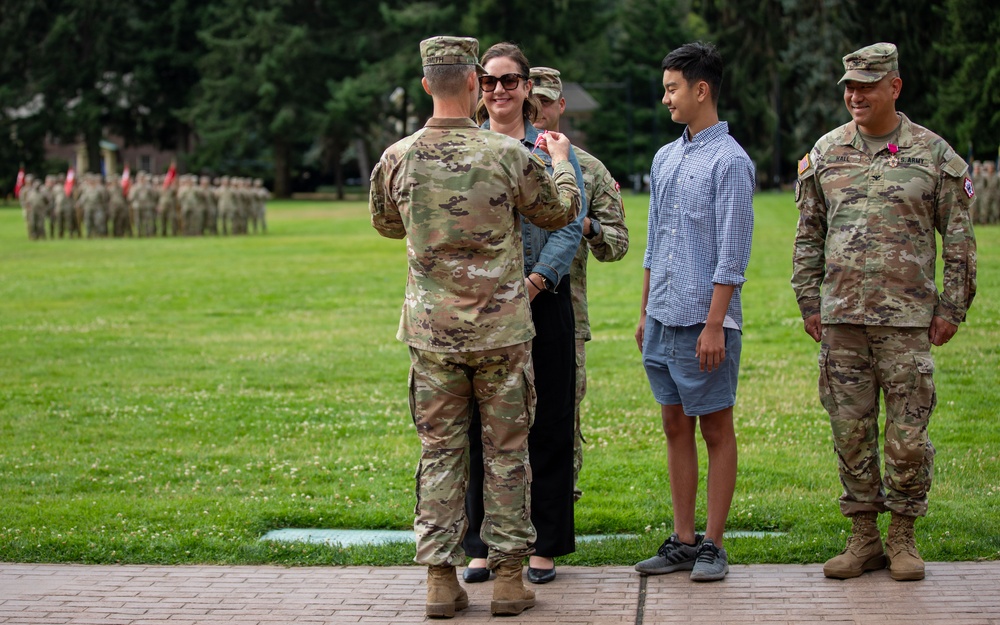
(96, 220)
(581, 391)
(146, 221)
(443, 387)
(855, 363)
(36, 223)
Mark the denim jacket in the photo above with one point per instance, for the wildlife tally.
(551, 253)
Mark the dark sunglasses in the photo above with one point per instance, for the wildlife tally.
(509, 81)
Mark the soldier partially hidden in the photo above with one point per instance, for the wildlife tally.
(871, 195)
(456, 192)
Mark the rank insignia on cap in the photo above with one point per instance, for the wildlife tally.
(804, 164)
(969, 190)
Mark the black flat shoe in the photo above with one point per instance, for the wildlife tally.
(476, 575)
(541, 576)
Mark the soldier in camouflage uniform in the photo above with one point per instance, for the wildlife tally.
(188, 202)
(49, 196)
(261, 196)
(210, 206)
(227, 205)
(92, 202)
(119, 218)
(988, 205)
(242, 197)
(979, 183)
(32, 207)
(604, 234)
(144, 199)
(167, 209)
(871, 195)
(64, 215)
(455, 192)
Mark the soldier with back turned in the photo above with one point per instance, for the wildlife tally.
(456, 193)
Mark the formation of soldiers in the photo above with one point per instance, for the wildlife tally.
(987, 209)
(187, 205)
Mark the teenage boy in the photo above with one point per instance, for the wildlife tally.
(689, 333)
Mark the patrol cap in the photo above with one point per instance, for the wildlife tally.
(871, 63)
(451, 51)
(547, 83)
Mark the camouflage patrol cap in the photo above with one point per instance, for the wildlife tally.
(871, 63)
(547, 83)
(451, 51)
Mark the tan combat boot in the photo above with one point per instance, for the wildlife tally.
(444, 595)
(510, 597)
(864, 549)
(900, 545)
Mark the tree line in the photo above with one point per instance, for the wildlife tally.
(290, 89)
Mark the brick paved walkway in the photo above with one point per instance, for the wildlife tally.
(962, 593)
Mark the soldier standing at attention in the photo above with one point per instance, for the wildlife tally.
(188, 205)
(48, 191)
(121, 222)
(30, 208)
(63, 210)
(243, 205)
(92, 201)
(209, 198)
(979, 183)
(143, 199)
(604, 234)
(261, 196)
(870, 196)
(227, 205)
(455, 192)
(988, 204)
(166, 207)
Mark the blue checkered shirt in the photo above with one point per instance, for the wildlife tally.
(700, 226)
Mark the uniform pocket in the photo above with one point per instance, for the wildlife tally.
(826, 395)
(416, 490)
(530, 397)
(922, 397)
(411, 395)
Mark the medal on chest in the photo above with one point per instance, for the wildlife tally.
(893, 159)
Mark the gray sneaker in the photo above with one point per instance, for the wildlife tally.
(711, 564)
(673, 555)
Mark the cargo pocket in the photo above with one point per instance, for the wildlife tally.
(826, 395)
(412, 395)
(922, 397)
(530, 398)
(416, 489)
(526, 514)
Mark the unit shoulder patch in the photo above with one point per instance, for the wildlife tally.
(805, 164)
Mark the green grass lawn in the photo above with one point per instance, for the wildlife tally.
(171, 400)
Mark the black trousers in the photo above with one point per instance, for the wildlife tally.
(550, 441)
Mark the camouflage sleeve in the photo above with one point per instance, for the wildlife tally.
(808, 259)
(542, 196)
(955, 197)
(607, 208)
(385, 214)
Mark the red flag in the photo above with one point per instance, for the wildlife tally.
(19, 183)
(171, 174)
(126, 182)
(70, 178)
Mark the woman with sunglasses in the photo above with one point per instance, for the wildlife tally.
(508, 107)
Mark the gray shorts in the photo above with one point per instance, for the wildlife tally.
(672, 368)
